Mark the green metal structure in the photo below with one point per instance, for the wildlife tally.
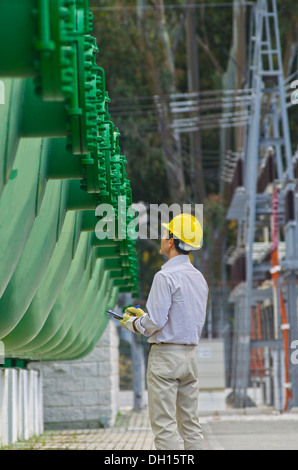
(59, 160)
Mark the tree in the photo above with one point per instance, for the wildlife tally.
(157, 52)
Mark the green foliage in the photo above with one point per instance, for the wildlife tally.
(287, 14)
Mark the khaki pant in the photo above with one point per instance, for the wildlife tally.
(173, 393)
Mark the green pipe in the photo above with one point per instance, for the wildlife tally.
(58, 342)
(86, 306)
(95, 318)
(63, 303)
(18, 207)
(10, 119)
(97, 333)
(32, 264)
(44, 299)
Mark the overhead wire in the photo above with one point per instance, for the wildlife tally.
(215, 100)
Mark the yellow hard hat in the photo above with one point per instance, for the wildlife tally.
(188, 229)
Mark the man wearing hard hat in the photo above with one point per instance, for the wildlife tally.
(176, 311)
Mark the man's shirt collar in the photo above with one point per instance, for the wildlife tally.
(176, 260)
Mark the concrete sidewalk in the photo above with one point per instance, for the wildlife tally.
(258, 428)
(131, 431)
(255, 429)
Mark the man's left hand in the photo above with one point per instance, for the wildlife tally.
(128, 322)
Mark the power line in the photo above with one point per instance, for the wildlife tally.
(171, 7)
(218, 109)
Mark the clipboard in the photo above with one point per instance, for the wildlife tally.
(116, 315)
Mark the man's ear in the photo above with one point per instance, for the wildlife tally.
(171, 240)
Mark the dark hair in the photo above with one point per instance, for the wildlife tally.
(176, 244)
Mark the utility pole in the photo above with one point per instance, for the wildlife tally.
(197, 181)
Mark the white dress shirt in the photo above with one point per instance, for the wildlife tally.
(176, 305)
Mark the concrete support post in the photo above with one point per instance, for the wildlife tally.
(21, 414)
(3, 407)
(12, 404)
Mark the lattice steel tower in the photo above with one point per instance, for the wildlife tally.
(267, 155)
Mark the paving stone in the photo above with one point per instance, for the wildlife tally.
(132, 431)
